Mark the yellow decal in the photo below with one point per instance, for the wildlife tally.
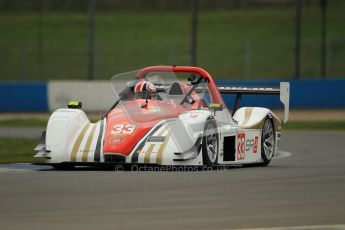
(75, 103)
(214, 105)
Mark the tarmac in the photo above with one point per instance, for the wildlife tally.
(302, 188)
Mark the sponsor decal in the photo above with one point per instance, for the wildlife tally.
(256, 142)
(86, 151)
(246, 88)
(122, 129)
(252, 144)
(115, 140)
(155, 139)
(189, 115)
(118, 139)
(241, 146)
(194, 115)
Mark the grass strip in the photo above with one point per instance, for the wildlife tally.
(233, 44)
(17, 150)
(32, 122)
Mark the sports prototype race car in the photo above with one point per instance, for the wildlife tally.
(166, 115)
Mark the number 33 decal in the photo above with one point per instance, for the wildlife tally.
(123, 129)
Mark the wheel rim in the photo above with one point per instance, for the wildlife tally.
(268, 139)
(211, 143)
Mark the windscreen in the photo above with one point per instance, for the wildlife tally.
(189, 90)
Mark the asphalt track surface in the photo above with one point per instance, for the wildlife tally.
(306, 188)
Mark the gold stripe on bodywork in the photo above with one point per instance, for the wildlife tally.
(247, 114)
(78, 142)
(148, 153)
(161, 149)
(88, 143)
(149, 150)
(258, 125)
(162, 131)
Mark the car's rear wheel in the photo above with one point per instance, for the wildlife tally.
(210, 143)
(268, 141)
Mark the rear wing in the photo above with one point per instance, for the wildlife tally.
(283, 92)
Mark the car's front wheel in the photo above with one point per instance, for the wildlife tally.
(268, 141)
(210, 143)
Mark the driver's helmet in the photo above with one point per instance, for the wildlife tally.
(144, 89)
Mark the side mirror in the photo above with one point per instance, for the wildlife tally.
(216, 106)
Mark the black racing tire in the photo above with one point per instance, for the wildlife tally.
(62, 166)
(268, 141)
(210, 143)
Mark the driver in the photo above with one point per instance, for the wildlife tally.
(144, 89)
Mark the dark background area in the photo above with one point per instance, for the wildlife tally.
(235, 39)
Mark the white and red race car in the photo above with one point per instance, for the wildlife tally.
(166, 115)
